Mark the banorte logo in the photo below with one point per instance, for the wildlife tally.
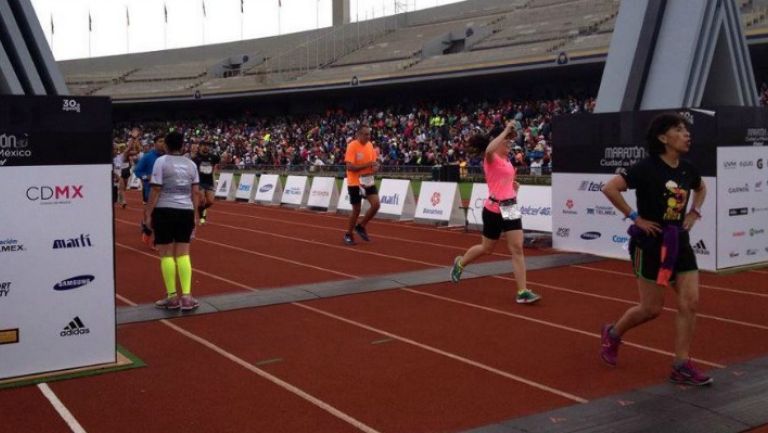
(435, 199)
(58, 194)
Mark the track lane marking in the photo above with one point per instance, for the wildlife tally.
(60, 408)
(450, 355)
(706, 286)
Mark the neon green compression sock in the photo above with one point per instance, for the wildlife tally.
(185, 273)
(168, 266)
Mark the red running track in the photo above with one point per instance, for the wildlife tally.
(435, 358)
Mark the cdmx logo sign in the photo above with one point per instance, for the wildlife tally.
(46, 194)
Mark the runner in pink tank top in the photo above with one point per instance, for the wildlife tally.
(500, 213)
(500, 176)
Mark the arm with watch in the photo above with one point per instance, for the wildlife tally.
(613, 190)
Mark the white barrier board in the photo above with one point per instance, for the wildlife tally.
(225, 188)
(246, 188)
(396, 197)
(270, 190)
(440, 202)
(56, 255)
(295, 191)
(323, 194)
(742, 196)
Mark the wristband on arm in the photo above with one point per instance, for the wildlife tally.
(633, 216)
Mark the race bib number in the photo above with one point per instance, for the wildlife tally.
(206, 168)
(366, 180)
(511, 212)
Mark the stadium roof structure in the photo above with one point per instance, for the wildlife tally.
(472, 38)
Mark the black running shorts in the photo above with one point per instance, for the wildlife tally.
(356, 197)
(494, 224)
(172, 225)
(646, 260)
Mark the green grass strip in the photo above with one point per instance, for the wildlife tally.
(136, 362)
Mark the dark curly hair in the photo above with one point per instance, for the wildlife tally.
(659, 126)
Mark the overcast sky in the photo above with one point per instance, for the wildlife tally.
(186, 25)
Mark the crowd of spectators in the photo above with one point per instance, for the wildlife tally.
(424, 134)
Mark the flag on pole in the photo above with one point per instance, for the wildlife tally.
(90, 22)
(165, 12)
(127, 17)
(204, 14)
(52, 32)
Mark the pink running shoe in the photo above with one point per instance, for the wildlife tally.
(188, 303)
(687, 374)
(169, 303)
(610, 345)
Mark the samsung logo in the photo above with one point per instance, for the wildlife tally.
(266, 188)
(74, 282)
(590, 235)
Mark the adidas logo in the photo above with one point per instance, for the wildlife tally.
(75, 327)
(700, 248)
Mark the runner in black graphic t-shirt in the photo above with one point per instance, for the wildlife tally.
(660, 247)
(207, 165)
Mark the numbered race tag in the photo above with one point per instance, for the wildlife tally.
(206, 168)
(367, 180)
(511, 212)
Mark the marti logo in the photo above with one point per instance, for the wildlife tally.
(5, 288)
(73, 283)
(59, 194)
(75, 327)
(393, 199)
(82, 242)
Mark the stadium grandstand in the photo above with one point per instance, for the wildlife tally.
(517, 38)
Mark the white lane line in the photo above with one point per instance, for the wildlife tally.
(342, 230)
(274, 379)
(62, 410)
(552, 325)
(450, 355)
(438, 265)
(706, 286)
(207, 274)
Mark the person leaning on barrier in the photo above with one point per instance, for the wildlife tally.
(500, 212)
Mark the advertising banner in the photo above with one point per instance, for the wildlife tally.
(742, 195)
(225, 188)
(296, 191)
(246, 188)
(323, 194)
(57, 285)
(440, 202)
(591, 150)
(270, 190)
(396, 197)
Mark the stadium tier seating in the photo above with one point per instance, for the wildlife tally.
(508, 32)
